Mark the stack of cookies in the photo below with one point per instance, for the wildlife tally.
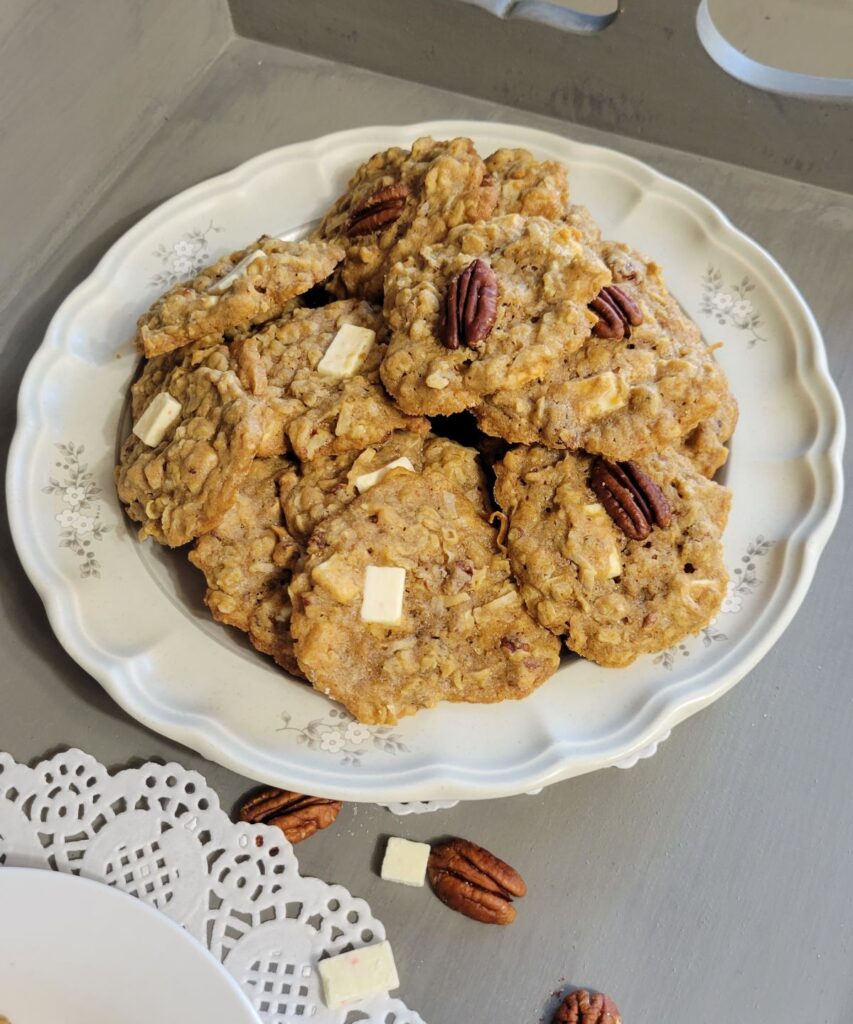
(454, 429)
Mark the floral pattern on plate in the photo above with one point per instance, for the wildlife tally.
(729, 305)
(338, 733)
(185, 258)
(744, 581)
(80, 517)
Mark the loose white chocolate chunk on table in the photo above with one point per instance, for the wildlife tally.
(405, 861)
(357, 975)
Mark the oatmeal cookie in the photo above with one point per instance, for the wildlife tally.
(400, 201)
(579, 217)
(243, 359)
(323, 487)
(155, 371)
(183, 487)
(307, 411)
(235, 293)
(463, 635)
(619, 396)
(707, 445)
(544, 275)
(247, 561)
(531, 187)
(537, 189)
(613, 598)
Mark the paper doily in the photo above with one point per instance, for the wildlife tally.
(419, 806)
(158, 833)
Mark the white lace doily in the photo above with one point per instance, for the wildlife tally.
(158, 833)
(419, 806)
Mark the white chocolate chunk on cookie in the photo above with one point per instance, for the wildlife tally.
(599, 395)
(347, 351)
(405, 861)
(337, 578)
(358, 974)
(384, 587)
(222, 284)
(609, 566)
(442, 649)
(614, 564)
(367, 480)
(153, 425)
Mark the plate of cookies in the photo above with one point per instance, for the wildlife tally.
(441, 461)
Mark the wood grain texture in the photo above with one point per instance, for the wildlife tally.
(646, 76)
(84, 86)
(716, 875)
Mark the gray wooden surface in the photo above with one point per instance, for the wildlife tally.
(645, 76)
(711, 883)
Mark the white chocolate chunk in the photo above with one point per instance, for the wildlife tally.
(222, 284)
(595, 509)
(610, 567)
(162, 412)
(346, 353)
(507, 600)
(598, 395)
(614, 564)
(367, 480)
(336, 576)
(405, 862)
(437, 381)
(384, 587)
(357, 975)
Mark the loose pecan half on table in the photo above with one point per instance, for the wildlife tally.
(583, 1007)
(475, 882)
(298, 816)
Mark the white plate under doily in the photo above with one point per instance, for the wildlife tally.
(132, 615)
(103, 957)
(157, 832)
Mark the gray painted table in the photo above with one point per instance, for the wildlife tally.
(713, 882)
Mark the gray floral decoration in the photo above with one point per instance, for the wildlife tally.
(185, 258)
(744, 581)
(668, 657)
(729, 304)
(80, 518)
(340, 734)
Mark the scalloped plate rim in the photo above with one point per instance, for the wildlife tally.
(435, 778)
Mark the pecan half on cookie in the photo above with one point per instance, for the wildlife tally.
(398, 202)
(383, 207)
(632, 499)
(583, 575)
(475, 882)
(617, 312)
(471, 306)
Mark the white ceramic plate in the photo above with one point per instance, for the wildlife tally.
(132, 614)
(80, 952)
